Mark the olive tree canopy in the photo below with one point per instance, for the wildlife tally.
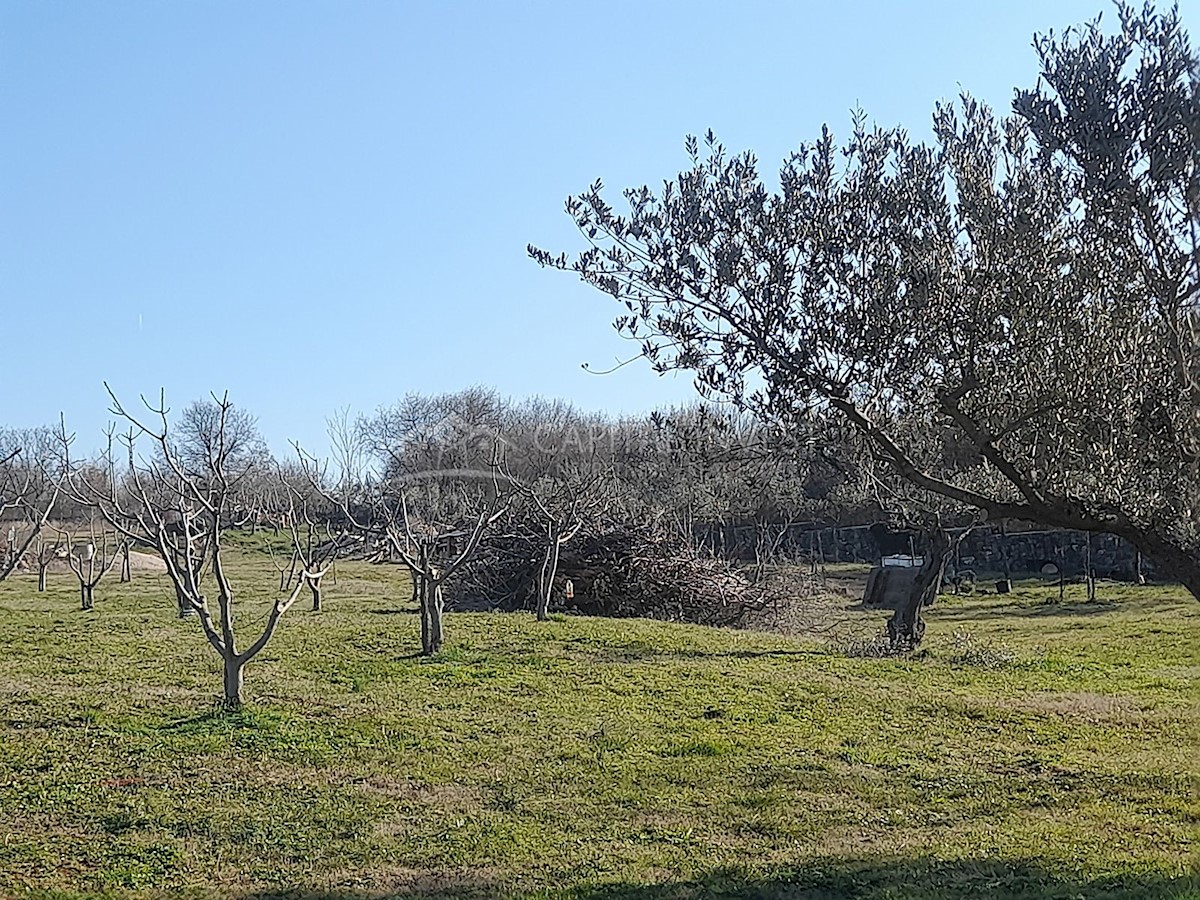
(1026, 285)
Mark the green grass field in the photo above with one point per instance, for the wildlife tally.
(1052, 754)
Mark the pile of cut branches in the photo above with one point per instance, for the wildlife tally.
(617, 571)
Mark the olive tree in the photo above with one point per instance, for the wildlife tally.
(1024, 284)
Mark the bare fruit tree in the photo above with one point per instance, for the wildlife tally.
(180, 497)
(89, 559)
(316, 542)
(431, 521)
(558, 461)
(562, 500)
(45, 552)
(30, 487)
(434, 552)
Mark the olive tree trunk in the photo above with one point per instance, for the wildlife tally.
(906, 628)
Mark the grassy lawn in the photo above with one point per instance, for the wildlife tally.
(1052, 754)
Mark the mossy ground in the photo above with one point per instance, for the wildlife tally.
(1053, 754)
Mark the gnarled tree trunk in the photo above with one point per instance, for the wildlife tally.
(906, 628)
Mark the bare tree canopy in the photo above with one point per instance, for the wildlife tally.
(30, 479)
(423, 435)
(1026, 285)
(215, 434)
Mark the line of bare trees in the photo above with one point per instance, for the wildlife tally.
(432, 483)
(424, 483)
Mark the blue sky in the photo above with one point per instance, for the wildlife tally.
(315, 205)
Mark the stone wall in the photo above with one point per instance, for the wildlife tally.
(1029, 551)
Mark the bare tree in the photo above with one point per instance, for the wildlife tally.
(181, 505)
(126, 569)
(562, 499)
(557, 460)
(210, 434)
(432, 521)
(285, 566)
(316, 543)
(30, 486)
(349, 445)
(89, 559)
(447, 433)
(45, 553)
(433, 552)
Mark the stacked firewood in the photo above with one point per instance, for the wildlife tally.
(619, 571)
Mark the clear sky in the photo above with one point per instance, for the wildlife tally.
(315, 205)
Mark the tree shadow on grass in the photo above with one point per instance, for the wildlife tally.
(603, 651)
(828, 879)
(202, 721)
(219, 718)
(1023, 611)
(749, 654)
(620, 655)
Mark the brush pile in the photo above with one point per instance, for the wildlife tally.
(620, 571)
